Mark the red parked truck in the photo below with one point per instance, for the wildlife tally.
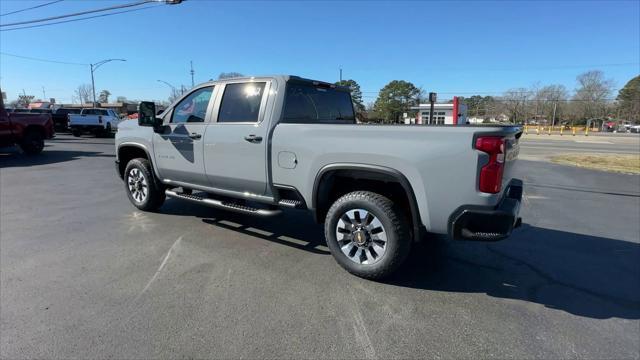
(26, 130)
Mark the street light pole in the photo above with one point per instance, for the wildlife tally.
(169, 85)
(95, 67)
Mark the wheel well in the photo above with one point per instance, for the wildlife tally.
(127, 153)
(33, 128)
(335, 183)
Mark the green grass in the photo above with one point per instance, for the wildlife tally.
(621, 163)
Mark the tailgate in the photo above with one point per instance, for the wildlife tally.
(83, 120)
(512, 149)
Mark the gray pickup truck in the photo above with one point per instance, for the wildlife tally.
(263, 144)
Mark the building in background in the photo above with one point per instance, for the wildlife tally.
(443, 114)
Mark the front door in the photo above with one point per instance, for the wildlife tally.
(179, 147)
(236, 144)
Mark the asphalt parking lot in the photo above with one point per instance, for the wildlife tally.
(86, 275)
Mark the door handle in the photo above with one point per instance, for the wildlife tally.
(195, 136)
(253, 138)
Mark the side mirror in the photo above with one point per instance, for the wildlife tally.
(147, 115)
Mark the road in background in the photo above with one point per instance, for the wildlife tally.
(542, 147)
(85, 275)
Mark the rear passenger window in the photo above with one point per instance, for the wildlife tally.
(193, 108)
(241, 102)
(306, 103)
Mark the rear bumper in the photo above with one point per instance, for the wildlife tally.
(89, 128)
(488, 223)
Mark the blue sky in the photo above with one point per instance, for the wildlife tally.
(448, 47)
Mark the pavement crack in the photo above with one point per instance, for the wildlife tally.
(162, 265)
(360, 329)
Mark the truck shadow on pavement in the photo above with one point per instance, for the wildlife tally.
(295, 229)
(583, 275)
(13, 158)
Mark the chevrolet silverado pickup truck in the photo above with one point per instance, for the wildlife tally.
(96, 121)
(26, 130)
(260, 145)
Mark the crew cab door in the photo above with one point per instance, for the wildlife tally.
(236, 142)
(6, 136)
(179, 147)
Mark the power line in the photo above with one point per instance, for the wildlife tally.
(80, 19)
(43, 60)
(31, 8)
(78, 13)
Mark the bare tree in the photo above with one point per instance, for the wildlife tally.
(551, 101)
(104, 96)
(174, 95)
(514, 102)
(84, 93)
(592, 94)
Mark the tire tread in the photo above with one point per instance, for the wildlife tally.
(399, 228)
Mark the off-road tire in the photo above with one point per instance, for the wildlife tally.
(32, 143)
(394, 222)
(155, 196)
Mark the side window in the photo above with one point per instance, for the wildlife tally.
(307, 103)
(241, 102)
(193, 108)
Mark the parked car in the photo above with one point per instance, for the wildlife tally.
(61, 117)
(94, 120)
(26, 130)
(260, 145)
(634, 129)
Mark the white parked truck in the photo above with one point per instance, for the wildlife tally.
(94, 120)
(263, 144)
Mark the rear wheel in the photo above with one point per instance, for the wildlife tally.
(32, 143)
(76, 132)
(367, 234)
(107, 130)
(141, 187)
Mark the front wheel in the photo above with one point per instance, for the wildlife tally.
(142, 190)
(367, 234)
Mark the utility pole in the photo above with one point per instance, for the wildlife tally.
(553, 119)
(192, 72)
(44, 95)
(341, 74)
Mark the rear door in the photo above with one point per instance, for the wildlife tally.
(179, 148)
(6, 137)
(236, 143)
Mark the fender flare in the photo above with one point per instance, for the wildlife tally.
(395, 174)
(142, 147)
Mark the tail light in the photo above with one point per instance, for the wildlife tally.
(100, 119)
(490, 180)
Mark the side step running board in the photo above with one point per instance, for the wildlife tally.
(226, 205)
